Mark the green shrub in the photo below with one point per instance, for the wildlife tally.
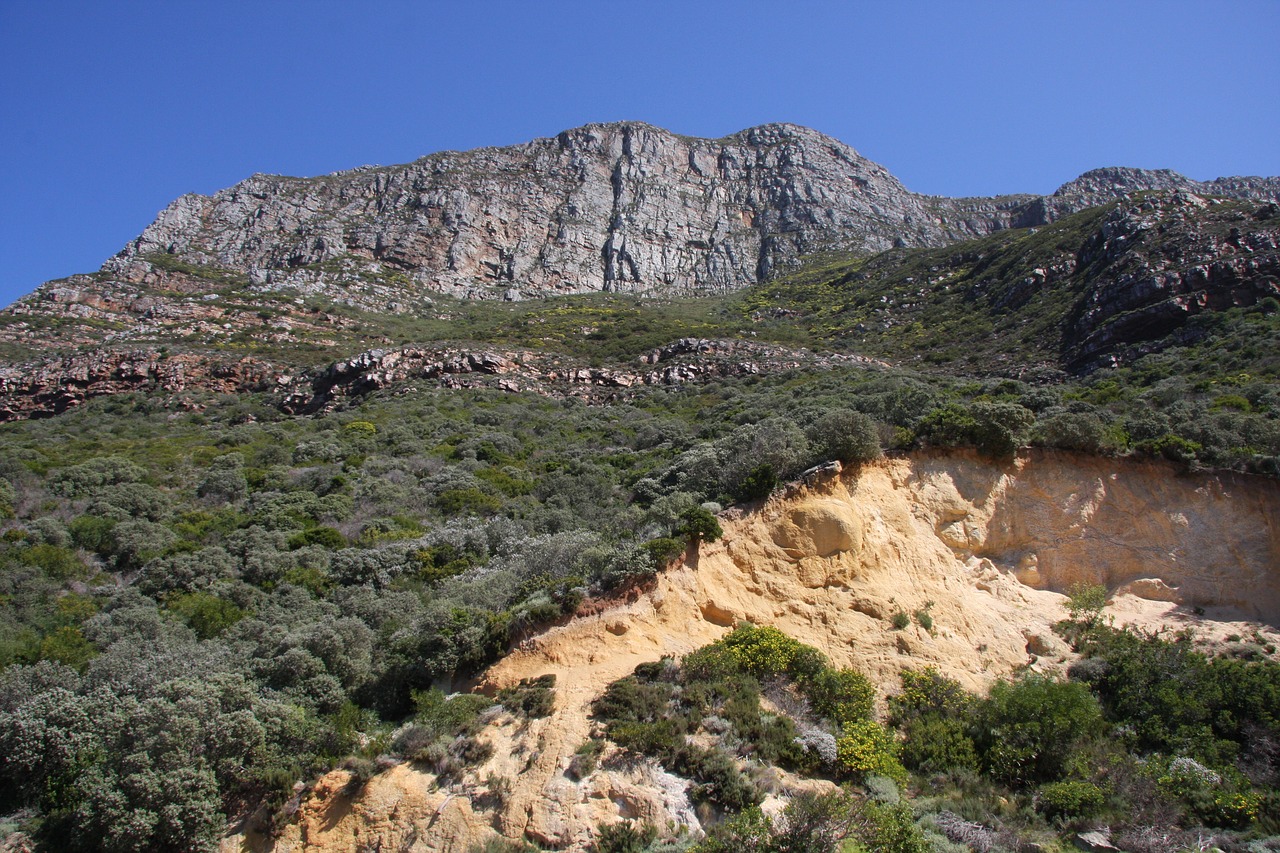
(763, 652)
(845, 434)
(840, 695)
(758, 484)
(663, 551)
(928, 693)
(58, 563)
(325, 537)
(93, 533)
(717, 779)
(531, 698)
(206, 614)
(868, 748)
(892, 829)
(1029, 729)
(748, 830)
(449, 716)
(661, 739)
(624, 837)
(68, 646)
(1172, 447)
(630, 699)
(995, 429)
(1083, 431)
(700, 525)
(583, 763)
(1070, 799)
(935, 744)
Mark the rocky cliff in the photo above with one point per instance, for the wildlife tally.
(985, 547)
(607, 207)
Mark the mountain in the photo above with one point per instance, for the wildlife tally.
(256, 285)
(590, 493)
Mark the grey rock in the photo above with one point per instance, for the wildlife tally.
(1097, 840)
(622, 207)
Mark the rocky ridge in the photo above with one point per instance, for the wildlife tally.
(1154, 263)
(623, 207)
(62, 384)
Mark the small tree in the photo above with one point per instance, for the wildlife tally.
(700, 525)
(1085, 603)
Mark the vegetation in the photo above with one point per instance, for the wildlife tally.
(1035, 758)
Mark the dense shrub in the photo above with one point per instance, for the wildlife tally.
(1070, 799)
(700, 525)
(532, 697)
(1028, 729)
(868, 748)
(840, 695)
(845, 434)
(934, 744)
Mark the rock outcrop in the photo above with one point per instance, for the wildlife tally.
(1156, 262)
(985, 548)
(62, 384)
(621, 207)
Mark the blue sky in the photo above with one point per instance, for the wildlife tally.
(108, 110)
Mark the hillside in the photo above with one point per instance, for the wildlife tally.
(591, 492)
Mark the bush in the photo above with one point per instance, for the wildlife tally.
(758, 484)
(840, 695)
(718, 779)
(928, 693)
(206, 614)
(1070, 799)
(892, 829)
(700, 525)
(451, 716)
(663, 552)
(625, 837)
(763, 652)
(583, 763)
(868, 748)
(531, 698)
(935, 744)
(845, 434)
(995, 429)
(748, 830)
(1029, 729)
(325, 537)
(1082, 431)
(1085, 603)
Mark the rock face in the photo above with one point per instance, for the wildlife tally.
(621, 207)
(981, 546)
(1154, 263)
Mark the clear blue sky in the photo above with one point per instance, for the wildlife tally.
(108, 110)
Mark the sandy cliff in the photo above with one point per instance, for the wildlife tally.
(985, 548)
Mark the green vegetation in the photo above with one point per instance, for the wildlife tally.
(1036, 760)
